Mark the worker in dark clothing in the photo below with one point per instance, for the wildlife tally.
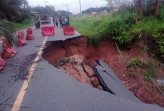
(37, 23)
(56, 23)
(60, 21)
(68, 20)
(54, 20)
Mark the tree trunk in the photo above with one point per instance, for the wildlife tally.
(139, 11)
(156, 8)
(111, 7)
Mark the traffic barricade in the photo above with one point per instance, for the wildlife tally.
(30, 35)
(69, 30)
(21, 40)
(8, 50)
(48, 30)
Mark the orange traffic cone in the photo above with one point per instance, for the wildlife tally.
(29, 34)
(8, 50)
(21, 40)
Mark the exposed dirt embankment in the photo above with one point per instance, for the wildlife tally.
(79, 54)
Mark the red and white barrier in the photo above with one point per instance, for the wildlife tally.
(30, 36)
(8, 50)
(21, 40)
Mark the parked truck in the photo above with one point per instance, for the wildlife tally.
(44, 20)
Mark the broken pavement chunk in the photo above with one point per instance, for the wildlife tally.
(110, 81)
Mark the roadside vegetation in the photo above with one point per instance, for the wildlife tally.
(8, 29)
(123, 28)
(147, 66)
(17, 14)
(126, 28)
(26, 23)
(18, 26)
(14, 15)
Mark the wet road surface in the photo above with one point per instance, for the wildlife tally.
(51, 89)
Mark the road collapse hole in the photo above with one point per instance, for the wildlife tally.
(70, 56)
(74, 56)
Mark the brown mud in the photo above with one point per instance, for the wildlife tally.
(80, 53)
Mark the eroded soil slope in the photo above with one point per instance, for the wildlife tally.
(78, 54)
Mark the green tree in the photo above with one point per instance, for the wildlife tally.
(48, 10)
(14, 10)
(8, 31)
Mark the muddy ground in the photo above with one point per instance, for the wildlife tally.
(77, 54)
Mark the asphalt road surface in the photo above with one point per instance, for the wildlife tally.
(51, 89)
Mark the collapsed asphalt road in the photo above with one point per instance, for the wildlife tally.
(76, 57)
(17, 68)
(52, 89)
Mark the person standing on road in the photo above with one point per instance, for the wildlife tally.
(54, 20)
(37, 23)
(56, 23)
(68, 20)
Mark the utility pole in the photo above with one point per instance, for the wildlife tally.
(80, 6)
(96, 9)
(45, 3)
(67, 7)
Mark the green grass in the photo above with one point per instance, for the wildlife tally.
(88, 27)
(144, 65)
(83, 24)
(153, 31)
(109, 27)
(25, 24)
(123, 29)
(137, 62)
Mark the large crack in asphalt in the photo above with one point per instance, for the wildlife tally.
(77, 58)
(62, 55)
(19, 67)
